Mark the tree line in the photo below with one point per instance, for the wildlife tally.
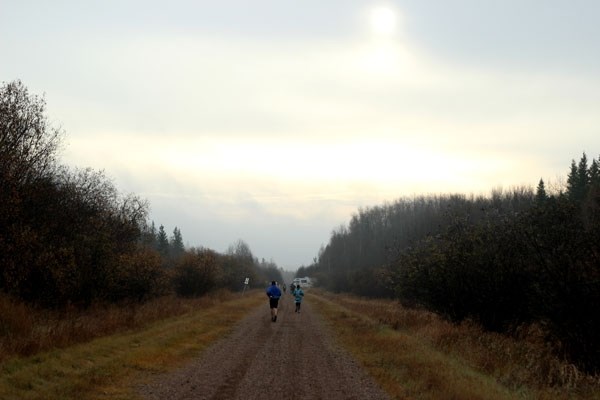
(514, 257)
(67, 236)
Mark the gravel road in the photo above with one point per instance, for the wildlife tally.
(294, 357)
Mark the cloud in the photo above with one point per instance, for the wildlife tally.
(258, 121)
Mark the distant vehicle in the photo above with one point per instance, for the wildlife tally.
(303, 282)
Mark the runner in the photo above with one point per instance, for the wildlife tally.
(273, 293)
(298, 294)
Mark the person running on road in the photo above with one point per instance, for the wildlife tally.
(298, 294)
(273, 293)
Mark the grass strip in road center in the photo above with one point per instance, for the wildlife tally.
(109, 367)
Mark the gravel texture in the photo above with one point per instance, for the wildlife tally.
(294, 357)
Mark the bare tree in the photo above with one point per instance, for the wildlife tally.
(28, 144)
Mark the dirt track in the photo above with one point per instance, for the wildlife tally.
(294, 357)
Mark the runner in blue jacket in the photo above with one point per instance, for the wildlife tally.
(273, 293)
(298, 295)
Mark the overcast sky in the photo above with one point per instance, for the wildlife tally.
(273, 121)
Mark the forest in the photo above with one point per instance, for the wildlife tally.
(68, 237)
(504, 261)
(512, 259)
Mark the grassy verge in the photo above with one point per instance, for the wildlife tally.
(108, 367)
(26, 330)
(415, 355)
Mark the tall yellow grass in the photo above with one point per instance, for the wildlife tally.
(416, 354)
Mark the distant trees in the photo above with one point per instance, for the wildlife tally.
(67, 236)
(504, 260)
(196, 273)
(581, 178)
(170, 249)
(354, 258)
(266, 272)
(239, 263)
(201, 270)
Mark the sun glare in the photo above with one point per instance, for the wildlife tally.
(383, 21)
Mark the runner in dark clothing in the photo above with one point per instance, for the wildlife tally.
(273, 293)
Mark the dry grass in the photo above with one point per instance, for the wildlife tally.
(414, 354)
(105, 367)
(25, 330)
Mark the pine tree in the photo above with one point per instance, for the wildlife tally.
(572, 180)
(540, 195)
(176, 244)
(578, 181)
(149, 236)
(594, 173)
(162, 242)
(583, 174)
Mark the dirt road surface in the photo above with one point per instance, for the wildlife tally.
(294, 357)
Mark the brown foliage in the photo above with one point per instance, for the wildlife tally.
(26, 330)
(66, 237)
(196, 273)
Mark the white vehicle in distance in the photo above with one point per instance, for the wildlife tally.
(303, 282)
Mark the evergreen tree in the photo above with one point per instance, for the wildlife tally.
(572, 181)
(149, 236)
(153, 230)
(176, 244)
(594, 173)
(162, 242)
(578, 181)
(540, 194)
(583, 174)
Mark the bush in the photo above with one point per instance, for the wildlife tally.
(196, 273)
(138, 276)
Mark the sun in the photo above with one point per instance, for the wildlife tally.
(383, 21)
